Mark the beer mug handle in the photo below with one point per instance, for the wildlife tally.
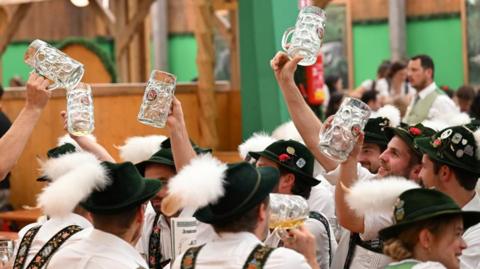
(285, 37)
(53, 86)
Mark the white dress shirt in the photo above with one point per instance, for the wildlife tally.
(442, 106)
(98, 249)
(471, 255)
(231, 251)
(48, 229)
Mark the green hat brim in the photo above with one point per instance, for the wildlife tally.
(376, 139)
(426, 147)
(470, 218)
(390, 132)
(311, 181)
(150, 189)
(268, 181)
(154, 160)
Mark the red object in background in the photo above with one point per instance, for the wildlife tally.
(315, 85)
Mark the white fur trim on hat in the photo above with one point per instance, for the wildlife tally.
(377, 195)
(67, 139)
(390, 112)
(439, 119)
(140, 148)
(257, 142)
(54, 168)
(200, 182)
(61, 196)
(287, 131)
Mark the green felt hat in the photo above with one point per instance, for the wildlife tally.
(57, 152)
(165, 156)
(454, 146)
(293, 156)
(421, 204)
(126, 190)
(375, 131)
(245, 187)
(409, 133)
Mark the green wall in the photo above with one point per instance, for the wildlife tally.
(441, 38)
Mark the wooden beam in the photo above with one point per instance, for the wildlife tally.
(349, 43)
(234, 59)
(203, 15)
(223, 26)
(12, 25)
(126, 35)
(106, 15)
(17, 2)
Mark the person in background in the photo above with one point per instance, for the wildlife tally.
(380, 83)
(475, 107)
(372, 99)
(464, 97)
(334, 84)
(333, 104)
(397, 86)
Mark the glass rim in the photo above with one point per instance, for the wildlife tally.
(313, 9)
(155, 71)
(362, 104)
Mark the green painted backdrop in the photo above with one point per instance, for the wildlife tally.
(441, 38)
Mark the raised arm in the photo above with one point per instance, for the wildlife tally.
(181, 147)
(13, 142)
(346, 217)
(88, 144)
(306, 122)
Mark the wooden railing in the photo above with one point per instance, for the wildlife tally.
(116, 107)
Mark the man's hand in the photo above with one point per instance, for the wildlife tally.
(175, 117)
(356, 148)
(37, 93)
(302, 241)
(283, 67)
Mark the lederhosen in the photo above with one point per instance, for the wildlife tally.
(375, 245)
(46, 252)
(256, 260)
(324, 221)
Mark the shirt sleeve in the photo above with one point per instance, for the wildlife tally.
(470, 257)
(373, 223)
(283, 258)
(362, 174)
(325, 244)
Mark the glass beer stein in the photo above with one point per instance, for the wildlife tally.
(157, 99)
(337, 140)
(287, 211)
(53, 64)
(306, 37)
(80, 119)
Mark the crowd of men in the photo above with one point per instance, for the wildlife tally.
(404, 198)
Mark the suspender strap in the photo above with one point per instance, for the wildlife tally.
(324, 221)
(189, 258)
(258, 257)
(41, 258)
(355, 240)
(25, 247)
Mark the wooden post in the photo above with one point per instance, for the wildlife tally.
(160, 34)
(463, 16)
(120, 58)
(234, 59)
(203, 14)
(397, 25)
(12, 25)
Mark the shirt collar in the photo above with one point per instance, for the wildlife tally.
(427, 90)
(473, 205)
(241, 236)
(115, 242)
(71, 219)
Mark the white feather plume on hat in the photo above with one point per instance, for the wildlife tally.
(196, 185)
(441, 119)
(257, 142)
(476, 135)
(390, 112)
(140, 148)
(377, 195)
(287, 131)
(67, 139)
(74, 176)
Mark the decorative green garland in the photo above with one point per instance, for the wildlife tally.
(90, 45)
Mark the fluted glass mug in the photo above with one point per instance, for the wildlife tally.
(157, 99)
(287, 211)
(80, 118)
(340, 136)
(306, 37)
(53, 64)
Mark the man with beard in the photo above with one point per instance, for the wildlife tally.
(429, 101)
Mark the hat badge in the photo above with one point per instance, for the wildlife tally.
(300, 163)
(446, 134)
(399, 211)
(290, 150)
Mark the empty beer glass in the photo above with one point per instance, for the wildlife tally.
(80, 119)
(339, 137)
(306, 36)
(287, 211)
(157, 99)
(54, 65)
